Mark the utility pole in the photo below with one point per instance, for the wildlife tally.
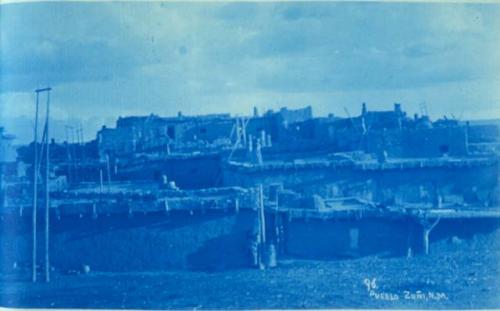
(81, 133)
(82, 143)
(45, 140)
(68, 154)
(47, 190)
(76, 141)
(35, 186)
(74, 154)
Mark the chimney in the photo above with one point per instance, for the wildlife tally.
(363, 109)
(397, 108)
(255, 112)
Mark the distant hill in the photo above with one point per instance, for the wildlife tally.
(484, 122)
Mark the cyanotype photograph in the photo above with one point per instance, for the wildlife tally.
(249, 155)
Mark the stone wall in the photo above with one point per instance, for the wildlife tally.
(418, 143)
(209, 241)
(214, 240)
(336, 239)
(190, 172)
(455, 184)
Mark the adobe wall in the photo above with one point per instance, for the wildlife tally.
(209, 241)
(460, 184)
(483, 133)
(337, 239)
(188, 173)
(115, 141)
(418, 143)
(214, 240)
(207, 130)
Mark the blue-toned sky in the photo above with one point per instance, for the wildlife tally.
(119, 58)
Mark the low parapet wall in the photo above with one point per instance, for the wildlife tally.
(391, 164)
(471, 181)
(126, 202)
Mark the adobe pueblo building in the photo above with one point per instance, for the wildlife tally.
(220, 191)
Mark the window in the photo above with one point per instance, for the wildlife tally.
(444, 149)
(171, 132)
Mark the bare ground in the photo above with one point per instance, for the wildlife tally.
(458, 274)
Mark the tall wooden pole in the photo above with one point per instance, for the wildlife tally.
(68, 155)
(81, 134)
(108, 172)
(244, 132)
(75, 153)
(35, 181)
(262, 214)
(262, 223)
(35, 187)
(82, 143)
(47, 190)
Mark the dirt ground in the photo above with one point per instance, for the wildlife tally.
(457, 274)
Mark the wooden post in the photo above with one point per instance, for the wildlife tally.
(130, 212)
(100, 183)
(74, 154)
(250, 143)
(68, 156)
(35, 188)
(167, 207)
(409, 242)
(237, 204)
(427, 227)
(258, 152)
(47, 192)
(262, 214)
(243, 132)
(277, 221)
(426, 241)
(108, 172)
(263, 138)
(262, 227)
(256, 234)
